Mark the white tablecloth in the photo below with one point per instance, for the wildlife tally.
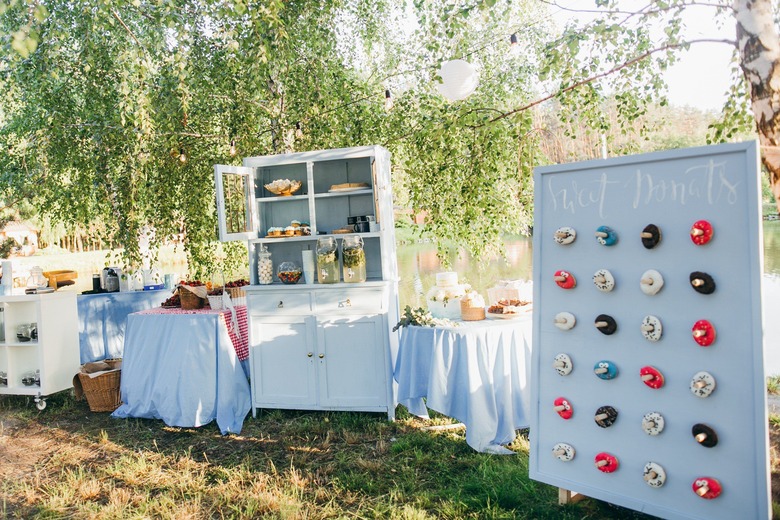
(183, 369)
(477, 373)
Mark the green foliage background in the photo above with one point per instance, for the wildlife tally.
(101, 98)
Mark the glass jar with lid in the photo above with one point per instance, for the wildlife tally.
(265, 267)
(327, 260)
(353, 257)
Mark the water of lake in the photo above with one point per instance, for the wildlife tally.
(418, 265)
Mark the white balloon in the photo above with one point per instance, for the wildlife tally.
(459, 79)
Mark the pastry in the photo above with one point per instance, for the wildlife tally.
(565, 320)
(654, 475)
(651, 282)
(606, 462)
(603, 280)
(702, 282)
(606, 324)
(652, 377)
(701, 232)
(605, 370)
(562, 364)
(289, 231)
(651, 328)
(565, 279)
(704, 435)
(565, 235)
(563, 407)
(707, 487)
(703, 333)
(606, 416)
(606, 236)
(472, 307)
(653, 423)
(651, 236)
(702, 384)
(564, 452)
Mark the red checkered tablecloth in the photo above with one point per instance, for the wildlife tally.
(240, 338)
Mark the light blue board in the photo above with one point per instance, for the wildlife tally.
(671, 189)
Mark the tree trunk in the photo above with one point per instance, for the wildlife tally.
(759, 51)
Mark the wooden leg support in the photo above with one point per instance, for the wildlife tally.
(568, 497)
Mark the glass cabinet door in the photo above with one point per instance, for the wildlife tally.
(235, 202)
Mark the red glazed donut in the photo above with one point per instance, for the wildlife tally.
(606, 462)
(652, 377)
(701, 232)
(703, 333)
(565, 279)
(563, 407)
(707, 487)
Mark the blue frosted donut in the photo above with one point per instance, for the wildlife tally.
(606, 236)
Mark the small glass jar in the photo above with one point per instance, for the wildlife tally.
(265, 267)
(327, 260)
(354, 259)
(289, 272)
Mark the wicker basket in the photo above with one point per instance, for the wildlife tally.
(236, 292)
(468, 313)
(237, 295)
(190, 300)
(102, 392)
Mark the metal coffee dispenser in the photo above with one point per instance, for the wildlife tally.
(109, 279)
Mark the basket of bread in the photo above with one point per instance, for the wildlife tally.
(283, 187)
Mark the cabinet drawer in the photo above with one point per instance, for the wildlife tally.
(348, 300)
(279, 302)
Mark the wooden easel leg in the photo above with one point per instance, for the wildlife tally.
(568, 497)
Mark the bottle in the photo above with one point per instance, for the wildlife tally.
(327, 260)
(265, 267)
(354, 258)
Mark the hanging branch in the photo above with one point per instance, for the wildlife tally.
(604, 74)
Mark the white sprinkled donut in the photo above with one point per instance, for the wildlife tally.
(565, 235)
(603, 280)
(651, 328)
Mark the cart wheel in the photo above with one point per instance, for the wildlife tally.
(40, 403)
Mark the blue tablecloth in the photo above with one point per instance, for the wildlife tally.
(102, 320)
(477, 373)
(183, 369)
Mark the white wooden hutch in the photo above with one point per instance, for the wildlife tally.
(317, 346)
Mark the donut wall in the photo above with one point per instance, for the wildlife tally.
(648, 383)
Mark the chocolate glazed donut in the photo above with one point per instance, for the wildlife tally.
(651, 236)
(606, 324)
(702, 282)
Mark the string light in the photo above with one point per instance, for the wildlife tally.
(298, 130)
(182, 156)
(388, 101)
(233, 149)
(514, 48)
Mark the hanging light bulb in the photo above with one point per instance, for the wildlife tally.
(514, 48)
(298, 130)
(388, 100)
(233, 149)
(182, 156)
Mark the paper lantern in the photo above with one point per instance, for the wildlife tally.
(459, 79)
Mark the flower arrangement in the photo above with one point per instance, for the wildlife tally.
(422, 318)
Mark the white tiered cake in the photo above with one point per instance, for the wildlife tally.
(444, 298)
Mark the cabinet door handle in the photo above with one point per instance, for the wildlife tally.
(310, 354)
(322, 356)
(345, 303)
(281, 304)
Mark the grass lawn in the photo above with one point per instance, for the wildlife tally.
(67, 462)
